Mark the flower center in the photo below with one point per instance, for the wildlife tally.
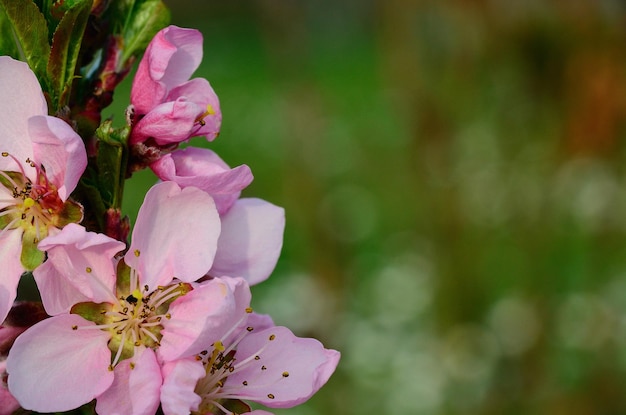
(220, 363)
(134, 320)
(32, 205)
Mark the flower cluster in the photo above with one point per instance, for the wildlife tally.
(160, 323)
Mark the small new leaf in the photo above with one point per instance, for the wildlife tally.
(146, 19)
(66, 43)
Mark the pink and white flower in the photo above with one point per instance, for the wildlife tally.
(252, 229)
(42, 159)
(168, 108)
(128, 315)
(204, 169)
(257, 362)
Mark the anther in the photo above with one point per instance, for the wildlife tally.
(74, 327)
(269, 395)
(249, 328)
(285, 374)
(245, 383)
(137, 253)
(263, 367)
(249, 310)
(5, 154)
(257, 357)
(272, 337)
(88, 269)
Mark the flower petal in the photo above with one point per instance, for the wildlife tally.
(251, 240)
(175, 235)
(171, 57)
(80, 267)
(179, 381)
(12, 269)
(203, 316)
(289, 371)
(204, 169)
(199, 90)
(58, 295)
(169, 122)
(135, 389)
(55, 368)
(21, 99)
(60, 150)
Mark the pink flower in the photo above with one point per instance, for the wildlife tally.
(42, 159)
(134, 313)
(258, 362)
(204, 169)
(168, 107)
(251, 240)
(252, 229)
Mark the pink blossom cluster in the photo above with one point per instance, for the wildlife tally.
(162, 323)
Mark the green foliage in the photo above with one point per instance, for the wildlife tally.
(51, 38)
(111, 162)
(29, 35)
(136, 22)
(66, 44)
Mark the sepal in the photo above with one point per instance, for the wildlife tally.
(31, 256)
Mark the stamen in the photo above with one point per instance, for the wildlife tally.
(9, 211)
(164, 299)
(9, 179)
(217, 404)
(119, 349)
(9, 226)
(149, 334)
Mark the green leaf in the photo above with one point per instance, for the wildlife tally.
(148, 18)
(30, 32)
(137, 21)
(8, 45)
(66, 43)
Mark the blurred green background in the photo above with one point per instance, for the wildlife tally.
(453, 174)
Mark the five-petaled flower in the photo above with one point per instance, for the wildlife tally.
(42, 159)
(127, 314)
